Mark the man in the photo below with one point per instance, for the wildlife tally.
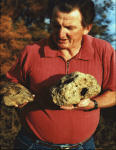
(69, 48)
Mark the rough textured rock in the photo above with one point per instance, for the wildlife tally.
(74, 87)
(15, 94)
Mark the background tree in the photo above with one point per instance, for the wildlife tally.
(102, 21)
(21, 22)
(34, 12)
(14, 36)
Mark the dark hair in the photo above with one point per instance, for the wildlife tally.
(86, 8)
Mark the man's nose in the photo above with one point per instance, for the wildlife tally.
(62, 33)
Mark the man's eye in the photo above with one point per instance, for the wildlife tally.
(70, 28)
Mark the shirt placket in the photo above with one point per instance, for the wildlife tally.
(67, 67)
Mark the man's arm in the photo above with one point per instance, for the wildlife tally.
(105, 100)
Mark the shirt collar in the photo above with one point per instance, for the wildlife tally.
(50, 51)
(86, 52)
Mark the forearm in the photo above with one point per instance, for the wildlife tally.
(107, 99)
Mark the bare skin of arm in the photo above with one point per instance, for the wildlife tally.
(107, 99)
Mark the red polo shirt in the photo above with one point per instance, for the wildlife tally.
(39, 67)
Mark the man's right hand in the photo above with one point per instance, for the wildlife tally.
(20, 106)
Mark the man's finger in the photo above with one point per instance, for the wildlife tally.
(84, 103)
(68, 107)
(22, 105)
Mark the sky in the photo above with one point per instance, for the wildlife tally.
(112, 16)
(112, 26)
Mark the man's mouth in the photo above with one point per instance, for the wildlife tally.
(61, 40)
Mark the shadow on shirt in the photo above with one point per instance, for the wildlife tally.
(43, 99)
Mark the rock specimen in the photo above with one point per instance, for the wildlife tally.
(15, 94)
(74, 87)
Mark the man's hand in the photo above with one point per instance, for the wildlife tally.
(20, 106)
(84, 104)
(68, 107)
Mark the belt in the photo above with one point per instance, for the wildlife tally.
(59, 146)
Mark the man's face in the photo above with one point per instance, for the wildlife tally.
(67, 28)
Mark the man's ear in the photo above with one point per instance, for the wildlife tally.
(87, 29)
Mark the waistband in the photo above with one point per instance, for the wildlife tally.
(59, 146)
